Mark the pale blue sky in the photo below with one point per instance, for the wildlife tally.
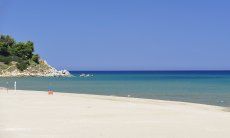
(123, 34)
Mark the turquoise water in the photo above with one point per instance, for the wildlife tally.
(207, 87)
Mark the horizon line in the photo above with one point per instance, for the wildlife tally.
(145, 70)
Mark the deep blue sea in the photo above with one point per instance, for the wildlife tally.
(207, 87)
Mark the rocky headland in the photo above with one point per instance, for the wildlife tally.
(18, 59)
(43, 69)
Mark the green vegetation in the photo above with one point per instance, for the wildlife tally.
(23, 65)
(35, 58)
(20, 52)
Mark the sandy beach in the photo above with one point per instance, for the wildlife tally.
(33, 114)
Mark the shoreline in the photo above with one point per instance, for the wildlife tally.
(137, 99)
(124, 97)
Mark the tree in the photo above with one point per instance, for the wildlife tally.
(20, 52)
(4, 49)
(5, 43)
(7, 40)
(23, 50)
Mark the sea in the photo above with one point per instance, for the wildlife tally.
(205, 87)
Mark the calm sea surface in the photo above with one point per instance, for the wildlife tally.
(208, 87)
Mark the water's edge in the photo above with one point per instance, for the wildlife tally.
(128, 99)
(205, 87)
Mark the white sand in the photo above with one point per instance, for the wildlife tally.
(30, 114)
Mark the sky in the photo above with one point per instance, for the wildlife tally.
(123, 34)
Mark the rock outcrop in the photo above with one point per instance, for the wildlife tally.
(43, 69)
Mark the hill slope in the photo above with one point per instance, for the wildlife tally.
(40, 70)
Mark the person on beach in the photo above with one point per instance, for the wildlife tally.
(15, 86)
(50, 91)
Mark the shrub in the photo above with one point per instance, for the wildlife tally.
(5, 60)
(35, 58)
(4, 49)
(22, 65)
(16, 59)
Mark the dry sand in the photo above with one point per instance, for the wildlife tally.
(31, 114)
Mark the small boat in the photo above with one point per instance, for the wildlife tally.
(82, 75)
(86, 75)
